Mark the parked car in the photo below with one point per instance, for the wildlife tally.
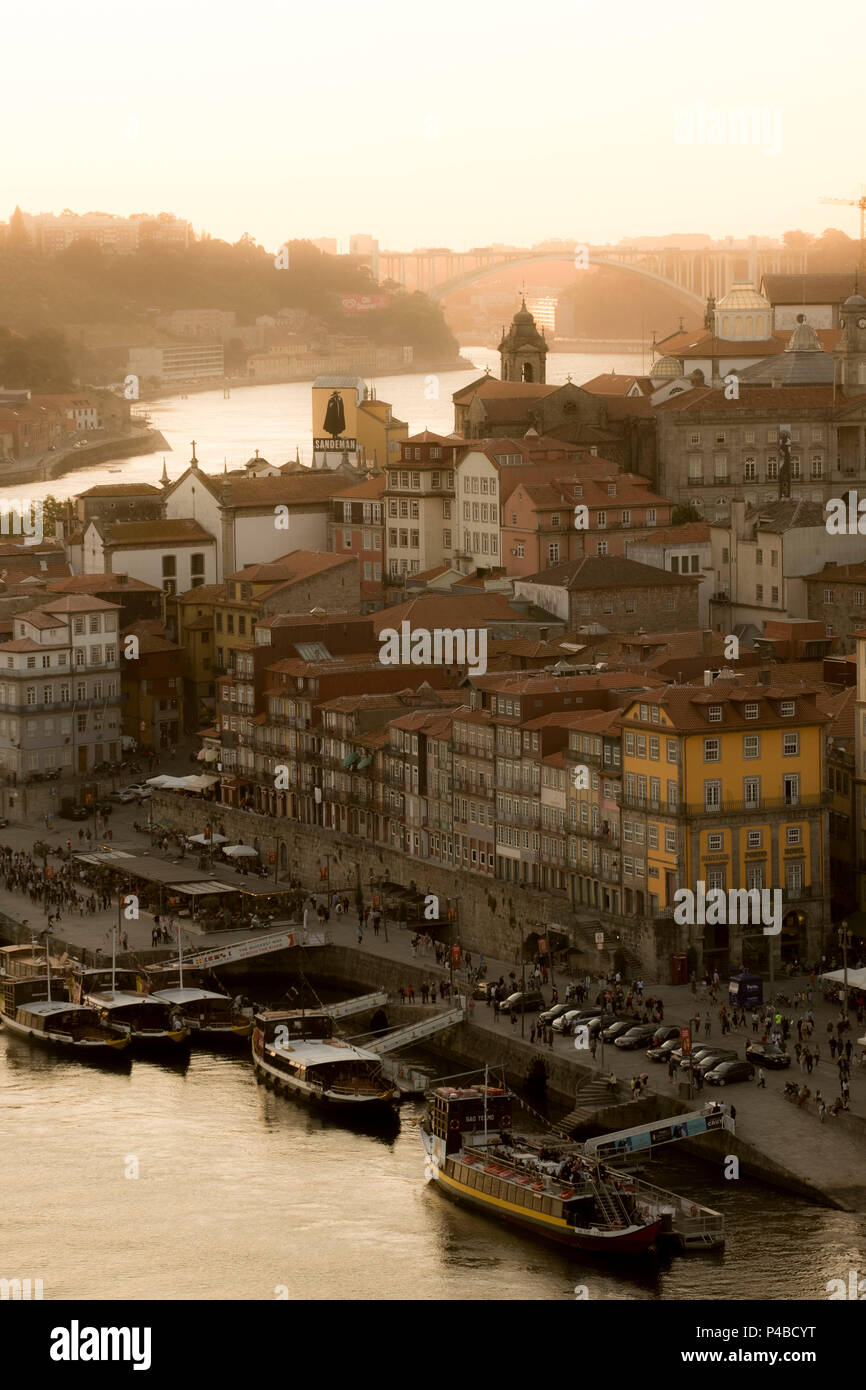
(635, 1037)
(699, 1053)
(715, 1059)
(521, 1003)
(615, 1030)
(662, 1051)
(3, 822)
(728, 1072)
(75, 813)
(570, 1017)
(124, 796)
(550, 1015)
(668, 1032)
(483, 988)
(767, 1055)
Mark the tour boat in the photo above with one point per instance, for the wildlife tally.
(473, 1157)
(28, 1010)
(298, 1050)
(210, 1016)
(122, 997)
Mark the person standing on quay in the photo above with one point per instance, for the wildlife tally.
(762, 1080)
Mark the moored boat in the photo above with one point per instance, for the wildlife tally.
(299, 1051)
(474, 1157)
(209, 1016)
(27, 1009)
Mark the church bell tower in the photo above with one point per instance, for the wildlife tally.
(850, 350)
(523, 350)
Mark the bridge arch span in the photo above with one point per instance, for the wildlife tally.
(459, 282)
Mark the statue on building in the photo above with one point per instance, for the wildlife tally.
(710, 315)
(784, 463)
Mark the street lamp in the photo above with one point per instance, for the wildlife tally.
(845, 940)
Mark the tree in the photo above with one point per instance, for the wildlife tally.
(684, 513)
(19, 237)
(797, 241)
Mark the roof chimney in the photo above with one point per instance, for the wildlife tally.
(707, 641)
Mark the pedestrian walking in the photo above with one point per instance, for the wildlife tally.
(762, 1080)
(532, 1034)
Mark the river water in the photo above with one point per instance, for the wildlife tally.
(277, 419)
(241, 1194)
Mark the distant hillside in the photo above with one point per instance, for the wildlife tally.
(82, 285)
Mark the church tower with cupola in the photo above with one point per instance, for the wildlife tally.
(523, 350)
(850, 350)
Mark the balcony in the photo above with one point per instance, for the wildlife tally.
(766, 803)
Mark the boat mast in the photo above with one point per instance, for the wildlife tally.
(180, 954)
(114, 951)
(486, 1073)
(47, 964)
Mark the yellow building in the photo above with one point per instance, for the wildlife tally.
(724, 786)
(189, 620)
(348, 417)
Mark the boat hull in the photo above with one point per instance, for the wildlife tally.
(634, 1240)
(103, 1048)
(295, 1085)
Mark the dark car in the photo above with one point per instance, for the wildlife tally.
(549, 1015)
(76, 813)
(728, 1072)
(636, 1037)
(521, 1003)
(715, 1059)
(615, 1030)
(483, 988)
(662, 1051)
(666, 1033)
(699, 1053)
(767, 1055)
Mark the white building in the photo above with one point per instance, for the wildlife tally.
(172, 555)
(177, 363)
(60, 688)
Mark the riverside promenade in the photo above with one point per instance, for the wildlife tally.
(828, 1160)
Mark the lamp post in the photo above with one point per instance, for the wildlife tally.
(845, 940)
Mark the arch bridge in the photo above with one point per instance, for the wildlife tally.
(693, 274)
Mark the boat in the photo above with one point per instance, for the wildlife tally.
(298, 1050)
(474, 1157)
(149, 1022)
(209, 1016)
(27, 1008)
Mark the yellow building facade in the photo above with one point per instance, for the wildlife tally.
(726, 787)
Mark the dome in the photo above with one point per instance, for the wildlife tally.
(854, 301)
(523, 332)
(666, 369)
(743, 295)
(804, 338)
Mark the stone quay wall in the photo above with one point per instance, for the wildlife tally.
(493, 917)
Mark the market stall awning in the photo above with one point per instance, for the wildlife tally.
(365, 762)
(207, 755)
(349, 759)
(240, 851)
(202, 839)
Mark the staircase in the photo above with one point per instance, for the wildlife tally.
(592, 1096)
(611, 1205)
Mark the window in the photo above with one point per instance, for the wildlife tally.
(196, 567)
(169, 566)
(752, 791)
(793, 835)
(78, 626)
(751, 711)
(601, 549)
(651, 516)
(672, 750)
(790, 745)
(94, 622)
(715, 844)
(772, 468)
(751, 747)
(754, 839)
(750, 470)
(794, 876)
(712, 750)
(712, 796)
(670, 840)
(791, 787)
(715, 714)
(626, 518)
(602, 520)
(759, 557)
(788, 709)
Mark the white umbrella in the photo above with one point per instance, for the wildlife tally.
(240, 851)
(208, 839)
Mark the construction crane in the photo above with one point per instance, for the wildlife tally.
(855, 203)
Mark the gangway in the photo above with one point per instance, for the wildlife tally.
(360, 1005)
(648, 1136)
(402, 1037)
(248, 950)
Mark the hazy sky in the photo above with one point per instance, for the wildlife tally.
(441, 123)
